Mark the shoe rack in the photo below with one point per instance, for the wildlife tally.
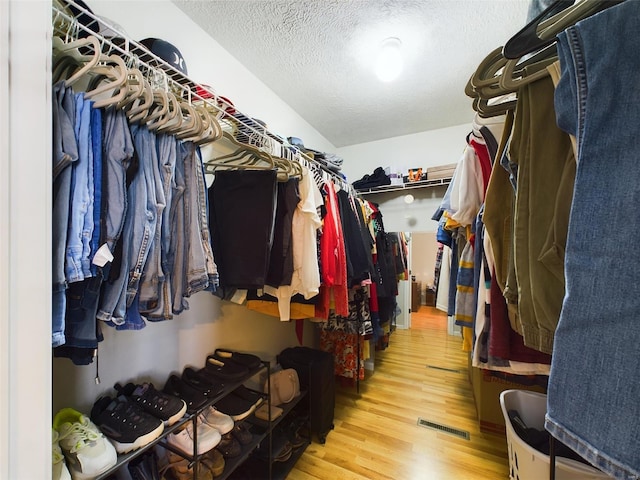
(261, 430)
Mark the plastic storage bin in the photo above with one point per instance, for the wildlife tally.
(527, 463)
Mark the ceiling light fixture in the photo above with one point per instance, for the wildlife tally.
(389, 62)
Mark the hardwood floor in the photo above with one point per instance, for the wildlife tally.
(376, 433)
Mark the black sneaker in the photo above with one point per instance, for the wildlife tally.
(193, 397)
(125, 423)
(168, 408)
(246, 359)
(199, 380)
(236, 407)
(225, 369)
(256, 398)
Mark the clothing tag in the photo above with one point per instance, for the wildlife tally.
(102, 256)
(239, 296)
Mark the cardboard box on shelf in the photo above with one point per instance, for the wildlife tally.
(441, 171)
(486, 392)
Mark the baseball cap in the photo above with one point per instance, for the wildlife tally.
(167, 52)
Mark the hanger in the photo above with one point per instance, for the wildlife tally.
(538, 34)
(158, 110)
(244, 157)
(484, 74)
(68, 55)
(172, 121)
(192, 124)
(214, 114)
(504, 71)
(487, 110)
(529, 70)
(141, 104)
(205, 126)
(109, 77)
(526, 40)
(134, 87)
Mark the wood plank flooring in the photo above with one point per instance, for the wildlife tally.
(376, 433)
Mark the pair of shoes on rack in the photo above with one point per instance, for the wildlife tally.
(59, 469)
(247, 360)
(284, 454)
(242, 433)
(145, 467)
(280, 446)
(218, 420)
(193, 397)
(211, 465)
(137, 416)
(85, 451)
(291, 430)
(227, 365)
(127, 425)
(201, 380)
(208, 437)
(195, 387)
(225, 369)
(180, 469)
(168, 408)
(229, 446)
(240, 403)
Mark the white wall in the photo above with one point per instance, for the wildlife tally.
(424, 247)
(425, 149)
(153, 353)
(25, 240)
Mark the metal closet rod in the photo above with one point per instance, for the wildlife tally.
(155, 67)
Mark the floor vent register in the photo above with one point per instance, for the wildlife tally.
(444, 369)
(444, 428)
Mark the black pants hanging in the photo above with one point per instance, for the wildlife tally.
(242, 207)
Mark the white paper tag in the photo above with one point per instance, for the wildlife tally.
(102, 256)
(239, 297)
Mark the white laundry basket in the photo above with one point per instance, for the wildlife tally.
(525, 462)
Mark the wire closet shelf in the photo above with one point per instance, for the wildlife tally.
(160, 74)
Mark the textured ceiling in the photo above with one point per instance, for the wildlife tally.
(318, 56)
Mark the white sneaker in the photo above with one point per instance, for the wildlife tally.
(208, 438)
(87, 451)
(218, 420)
(59, 468)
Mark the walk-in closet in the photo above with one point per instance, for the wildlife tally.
(307, 239)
